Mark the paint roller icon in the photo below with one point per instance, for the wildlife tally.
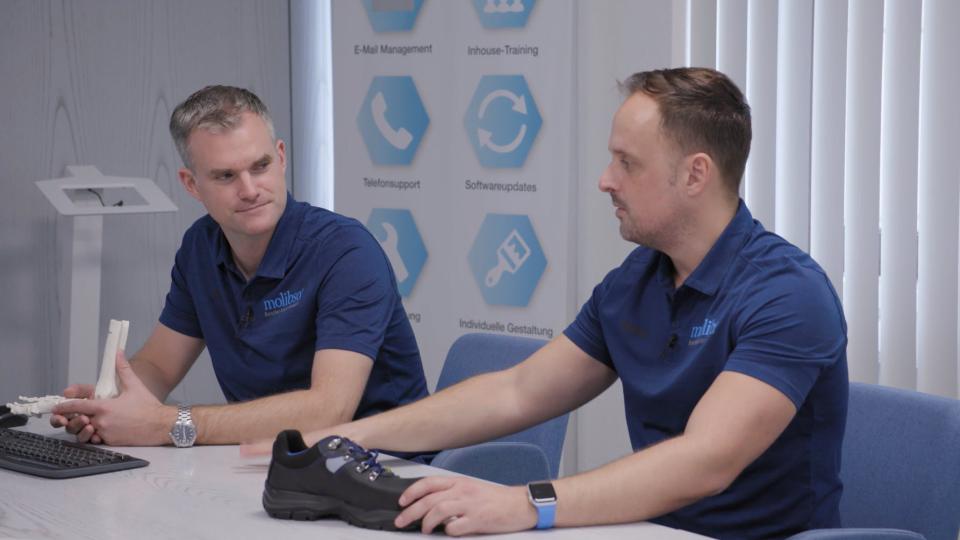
(511, 255)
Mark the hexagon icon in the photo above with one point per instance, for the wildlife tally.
(503, 13)
(392, 120)
(400, 239)
(392, 15)
(506, 259)
(502, 121)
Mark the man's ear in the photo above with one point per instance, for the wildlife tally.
(189, 182)
(700, 173)
(282, 154)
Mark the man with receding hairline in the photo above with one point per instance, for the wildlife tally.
(730, 344)
(297, 305)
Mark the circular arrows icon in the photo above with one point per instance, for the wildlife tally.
(486, 140)
(486, 137)
(502, 120)
(519, 102)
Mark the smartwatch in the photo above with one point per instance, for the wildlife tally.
(544, 499)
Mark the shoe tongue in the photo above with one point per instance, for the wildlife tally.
(353, 452)
(387, 473)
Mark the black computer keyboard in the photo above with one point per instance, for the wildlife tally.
(40, 455)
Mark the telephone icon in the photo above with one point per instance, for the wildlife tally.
(392, 120)
(398, 138)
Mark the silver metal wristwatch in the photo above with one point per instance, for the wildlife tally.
(183, 433)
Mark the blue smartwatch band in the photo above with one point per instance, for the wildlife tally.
(546, 514)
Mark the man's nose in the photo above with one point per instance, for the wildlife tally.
(605, 183)
(246, 187)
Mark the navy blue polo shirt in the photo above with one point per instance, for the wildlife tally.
(756, 305)
(323, 283)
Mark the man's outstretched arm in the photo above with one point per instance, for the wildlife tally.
(554, 380)
(138, 417)
(736, 420)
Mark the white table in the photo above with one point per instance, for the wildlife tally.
(199, 493)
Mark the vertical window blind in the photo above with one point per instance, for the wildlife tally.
(855, 120)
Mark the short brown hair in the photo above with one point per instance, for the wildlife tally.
(215, 108)
(701, 110)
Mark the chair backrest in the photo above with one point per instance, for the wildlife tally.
(473, 354)
(901, 462)
(505, 462)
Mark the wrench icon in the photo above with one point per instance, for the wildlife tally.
(393, 253)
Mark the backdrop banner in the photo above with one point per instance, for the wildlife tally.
(454, 144)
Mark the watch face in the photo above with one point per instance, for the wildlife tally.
(183, 434)
(542, 492)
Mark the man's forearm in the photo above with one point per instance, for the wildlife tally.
(265, 417)
(164, 359)
(446, 419)
(556, 379)
(151, 376)
(643, 485)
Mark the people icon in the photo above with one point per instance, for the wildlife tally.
(504, 6)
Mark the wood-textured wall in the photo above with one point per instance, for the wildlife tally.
(93, 82)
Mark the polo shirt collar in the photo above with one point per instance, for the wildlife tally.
(707, 276)
(275, 260)
(224, 256)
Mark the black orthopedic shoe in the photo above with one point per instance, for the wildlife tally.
(333, 478)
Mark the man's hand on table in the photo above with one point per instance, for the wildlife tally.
(134, 418)
(466, 506)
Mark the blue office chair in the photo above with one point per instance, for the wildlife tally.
(532, 454)
(900, 468)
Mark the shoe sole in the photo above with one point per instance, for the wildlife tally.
(299, 506)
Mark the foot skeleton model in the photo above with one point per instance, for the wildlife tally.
(106, 384)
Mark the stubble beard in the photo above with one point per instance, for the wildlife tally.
(631, 233)
(659, 236)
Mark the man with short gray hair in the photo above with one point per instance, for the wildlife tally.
(297, 305)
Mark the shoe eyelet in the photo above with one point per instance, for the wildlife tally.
(334, 444)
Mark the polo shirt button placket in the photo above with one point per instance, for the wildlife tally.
(246, 315)
(671, 344)
(246, 318)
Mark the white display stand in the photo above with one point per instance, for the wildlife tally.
(82, 196)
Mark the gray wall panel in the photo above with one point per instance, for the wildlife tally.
(616, 38)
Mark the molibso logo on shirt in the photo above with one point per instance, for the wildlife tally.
(699, 334)
(282, 302)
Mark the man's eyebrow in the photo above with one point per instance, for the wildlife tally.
(266, 159)
(220, 172)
